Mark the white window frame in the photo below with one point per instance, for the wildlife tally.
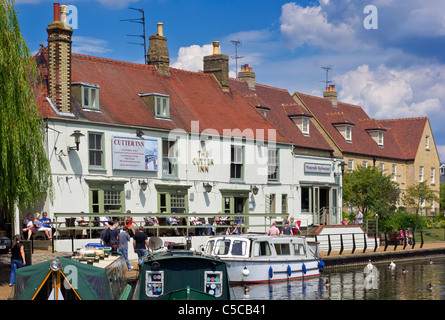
(421, 174)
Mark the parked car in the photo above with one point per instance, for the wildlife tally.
(5, 244)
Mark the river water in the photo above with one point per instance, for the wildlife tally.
(409, 280)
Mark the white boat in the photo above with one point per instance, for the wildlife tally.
(253, 258)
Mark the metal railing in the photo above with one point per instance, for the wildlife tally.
(65, 226)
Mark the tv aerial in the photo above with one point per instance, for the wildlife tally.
(236, 57)
(141, 21)
(327, 81)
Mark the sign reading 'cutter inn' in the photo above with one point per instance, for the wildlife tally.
(135, 154)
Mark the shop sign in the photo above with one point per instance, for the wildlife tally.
(317, 168)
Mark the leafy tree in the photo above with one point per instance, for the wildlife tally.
(25, 173)
(369, 189)
(418, 197)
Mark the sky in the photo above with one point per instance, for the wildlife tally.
(389, 57)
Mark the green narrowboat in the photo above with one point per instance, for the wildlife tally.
(67, 279)
(182, 275)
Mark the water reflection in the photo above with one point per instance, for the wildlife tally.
(406, 281)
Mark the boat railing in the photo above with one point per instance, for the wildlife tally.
(66, 224)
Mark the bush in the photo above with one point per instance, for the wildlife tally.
(400, 219)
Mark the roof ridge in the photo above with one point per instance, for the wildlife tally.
(132, 64)
(324, 99)
(411, 118)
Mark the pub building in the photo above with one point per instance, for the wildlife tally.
(151, 138)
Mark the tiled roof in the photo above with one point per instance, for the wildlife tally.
(194, 96)
(401, 136)
(407, 133)
(282, 105)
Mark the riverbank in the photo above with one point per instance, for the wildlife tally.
(347, 258)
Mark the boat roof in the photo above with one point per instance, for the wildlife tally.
(254, 236)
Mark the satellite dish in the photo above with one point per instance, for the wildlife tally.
(155, 243)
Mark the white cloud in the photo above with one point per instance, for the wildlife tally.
(190, 58)
(89, 45)
(309, 25)
(388, 93)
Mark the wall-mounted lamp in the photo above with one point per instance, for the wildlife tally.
(139, 133)
(77, 134)
(208, 187)
(143, 185)
(67, 178)
(254, 190)
(342, 166)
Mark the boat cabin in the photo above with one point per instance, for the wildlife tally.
(255, 247)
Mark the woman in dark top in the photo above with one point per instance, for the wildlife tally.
(17, 258)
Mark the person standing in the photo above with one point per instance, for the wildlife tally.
(359, 217)
(286, 229)
(123, 238)
(17, 258)
(273, 231)
(140, 244)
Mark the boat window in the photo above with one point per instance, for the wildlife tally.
(213, 283)
(209, 246)
(154, 283)
(222, 246)
(239, 248)
(261, 248)
(299, 249)
(282, 248)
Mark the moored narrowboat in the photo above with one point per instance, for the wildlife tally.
(253, 258)
(182, 275)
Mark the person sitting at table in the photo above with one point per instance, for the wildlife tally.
(39, 226)
(239, 224)
(44, 220)
(174, 221)
(196, 221)
(151, 221)
(29, 226)
(81, 222)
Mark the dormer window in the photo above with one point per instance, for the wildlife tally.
(345, 129)
(158, 103)
(263, 110)
(302, 122)
(377, 135)
(87, 93)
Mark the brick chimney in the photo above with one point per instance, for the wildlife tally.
(247, 75)
(59, 59)
(157, 51)
(331, 95)
(218, 65)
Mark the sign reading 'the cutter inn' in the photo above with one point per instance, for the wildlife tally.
(135, 154)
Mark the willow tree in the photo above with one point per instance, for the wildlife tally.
(25, 174)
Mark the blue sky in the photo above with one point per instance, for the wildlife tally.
(394, 71)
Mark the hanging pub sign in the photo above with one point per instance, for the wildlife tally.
(136, 154)
(317, 168)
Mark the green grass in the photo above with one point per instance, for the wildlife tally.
(432, 234)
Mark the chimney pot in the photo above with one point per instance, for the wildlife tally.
(56, 7)
(63, 13)
(160, 29)
(215, 47)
